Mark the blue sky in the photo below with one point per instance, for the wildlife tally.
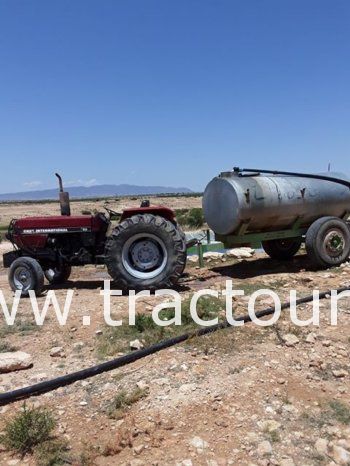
(171, 92)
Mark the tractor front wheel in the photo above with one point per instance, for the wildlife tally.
(145, 252)
(26, 274)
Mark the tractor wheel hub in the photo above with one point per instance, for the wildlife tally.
(144, 256)
(334, 242)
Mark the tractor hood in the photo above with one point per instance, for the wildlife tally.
(56, 224)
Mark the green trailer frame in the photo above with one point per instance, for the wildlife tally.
(255, 239)
(244, 239)
(249, 239)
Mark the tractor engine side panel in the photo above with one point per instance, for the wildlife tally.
(33, 232)
(30, 241)
(77, 240)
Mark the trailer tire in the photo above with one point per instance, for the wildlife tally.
(57, 275)
(328, 242)
(26, 274)
(146, 251)
(282, 249)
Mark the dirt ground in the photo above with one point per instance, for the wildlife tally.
(19, 210)
(246, 396)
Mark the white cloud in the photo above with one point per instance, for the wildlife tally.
(32, 184)
(90, 182)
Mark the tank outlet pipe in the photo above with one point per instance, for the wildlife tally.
(240, 171)
(54, 384)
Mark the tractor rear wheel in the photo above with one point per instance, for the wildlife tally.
(145, 252)
(328, 242)
(26, 274)
(58, 274)
(282, 249)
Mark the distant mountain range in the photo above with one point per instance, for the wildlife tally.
(103, 190)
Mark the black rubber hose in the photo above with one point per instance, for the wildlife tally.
(44, 387)
(301, 175)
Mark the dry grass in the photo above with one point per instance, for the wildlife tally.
(116, 339)
(6, 347)
(22, 327)
(123, 400)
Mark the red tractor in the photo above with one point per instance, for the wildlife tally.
(146, 250)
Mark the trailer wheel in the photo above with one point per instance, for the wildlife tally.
(26, 274)
(145, 252)
(58, 274)
(282, 249)
(328, 241)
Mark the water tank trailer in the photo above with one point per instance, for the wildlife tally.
(281, 210)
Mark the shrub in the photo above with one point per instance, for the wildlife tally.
(51, 453)
(341, 411)
(6, 347)
(27, 429)
(195, 218)
(192, 218)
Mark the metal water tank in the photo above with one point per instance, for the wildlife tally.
(262, 202)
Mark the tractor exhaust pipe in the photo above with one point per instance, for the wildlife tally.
(64, 198)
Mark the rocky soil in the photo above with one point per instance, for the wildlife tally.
(246, 396)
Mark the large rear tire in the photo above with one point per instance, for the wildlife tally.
(145, 252)
(328, 242)
(26, 274)
(282, 249)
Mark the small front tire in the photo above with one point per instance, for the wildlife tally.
(26, 274)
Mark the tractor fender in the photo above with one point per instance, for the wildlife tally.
(154, 210)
